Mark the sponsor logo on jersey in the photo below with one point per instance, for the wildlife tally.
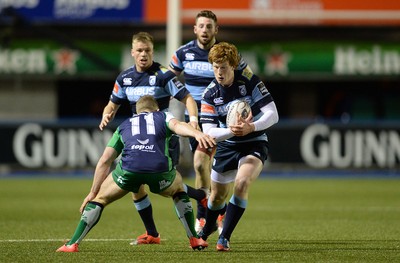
(261, 87)
(199, 66)
(205, 119)
(143, 146)
(143, 141)
(177, 83)
(127, 81)
(189, 56)
(140, 91)
(247, 73)
(218, 101)
(152, 80)
(242, 90)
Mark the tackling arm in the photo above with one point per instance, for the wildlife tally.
(102, 169)
(192, 109)
(184, 129)
(108, 114)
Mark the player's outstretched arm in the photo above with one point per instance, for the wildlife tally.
(192, 109)
(102, 170)
(184, 129)
(108, 114)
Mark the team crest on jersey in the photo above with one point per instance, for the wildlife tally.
(152, 80)
(189, 56)
(242, 90)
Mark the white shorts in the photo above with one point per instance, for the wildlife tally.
(223, 178)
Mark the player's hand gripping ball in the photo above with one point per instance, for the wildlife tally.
(241, 107)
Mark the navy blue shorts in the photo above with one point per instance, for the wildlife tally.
(228, 154)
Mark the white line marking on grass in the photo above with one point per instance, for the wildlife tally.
(62, 240)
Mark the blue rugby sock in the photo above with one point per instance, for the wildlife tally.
(211, 219)
(145, 210)
(234, 212)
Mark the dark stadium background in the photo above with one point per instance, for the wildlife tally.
(302, 97)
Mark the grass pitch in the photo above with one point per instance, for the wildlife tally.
(287, 220)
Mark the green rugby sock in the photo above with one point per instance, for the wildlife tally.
(184, 210)
(89, 218)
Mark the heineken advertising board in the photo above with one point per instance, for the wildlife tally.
(286, 59)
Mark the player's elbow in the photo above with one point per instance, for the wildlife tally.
(274, 113)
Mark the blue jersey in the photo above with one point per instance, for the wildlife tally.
(198, 72)
(143, 141)
(217, 99)
(157, 81)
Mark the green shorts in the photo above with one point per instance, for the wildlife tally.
(131, 182)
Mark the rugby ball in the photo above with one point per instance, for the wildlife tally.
(239, 106)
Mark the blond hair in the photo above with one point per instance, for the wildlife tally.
(146, 103)
(143, 37)
(223, 52)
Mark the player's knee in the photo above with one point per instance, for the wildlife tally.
(201, 166)
(242, 185)
(216, 199)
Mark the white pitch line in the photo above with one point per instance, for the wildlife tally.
(61, 240)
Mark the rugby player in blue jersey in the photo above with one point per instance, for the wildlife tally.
(192, 59)
(147, 77)
(242, 148)
(142, 141)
